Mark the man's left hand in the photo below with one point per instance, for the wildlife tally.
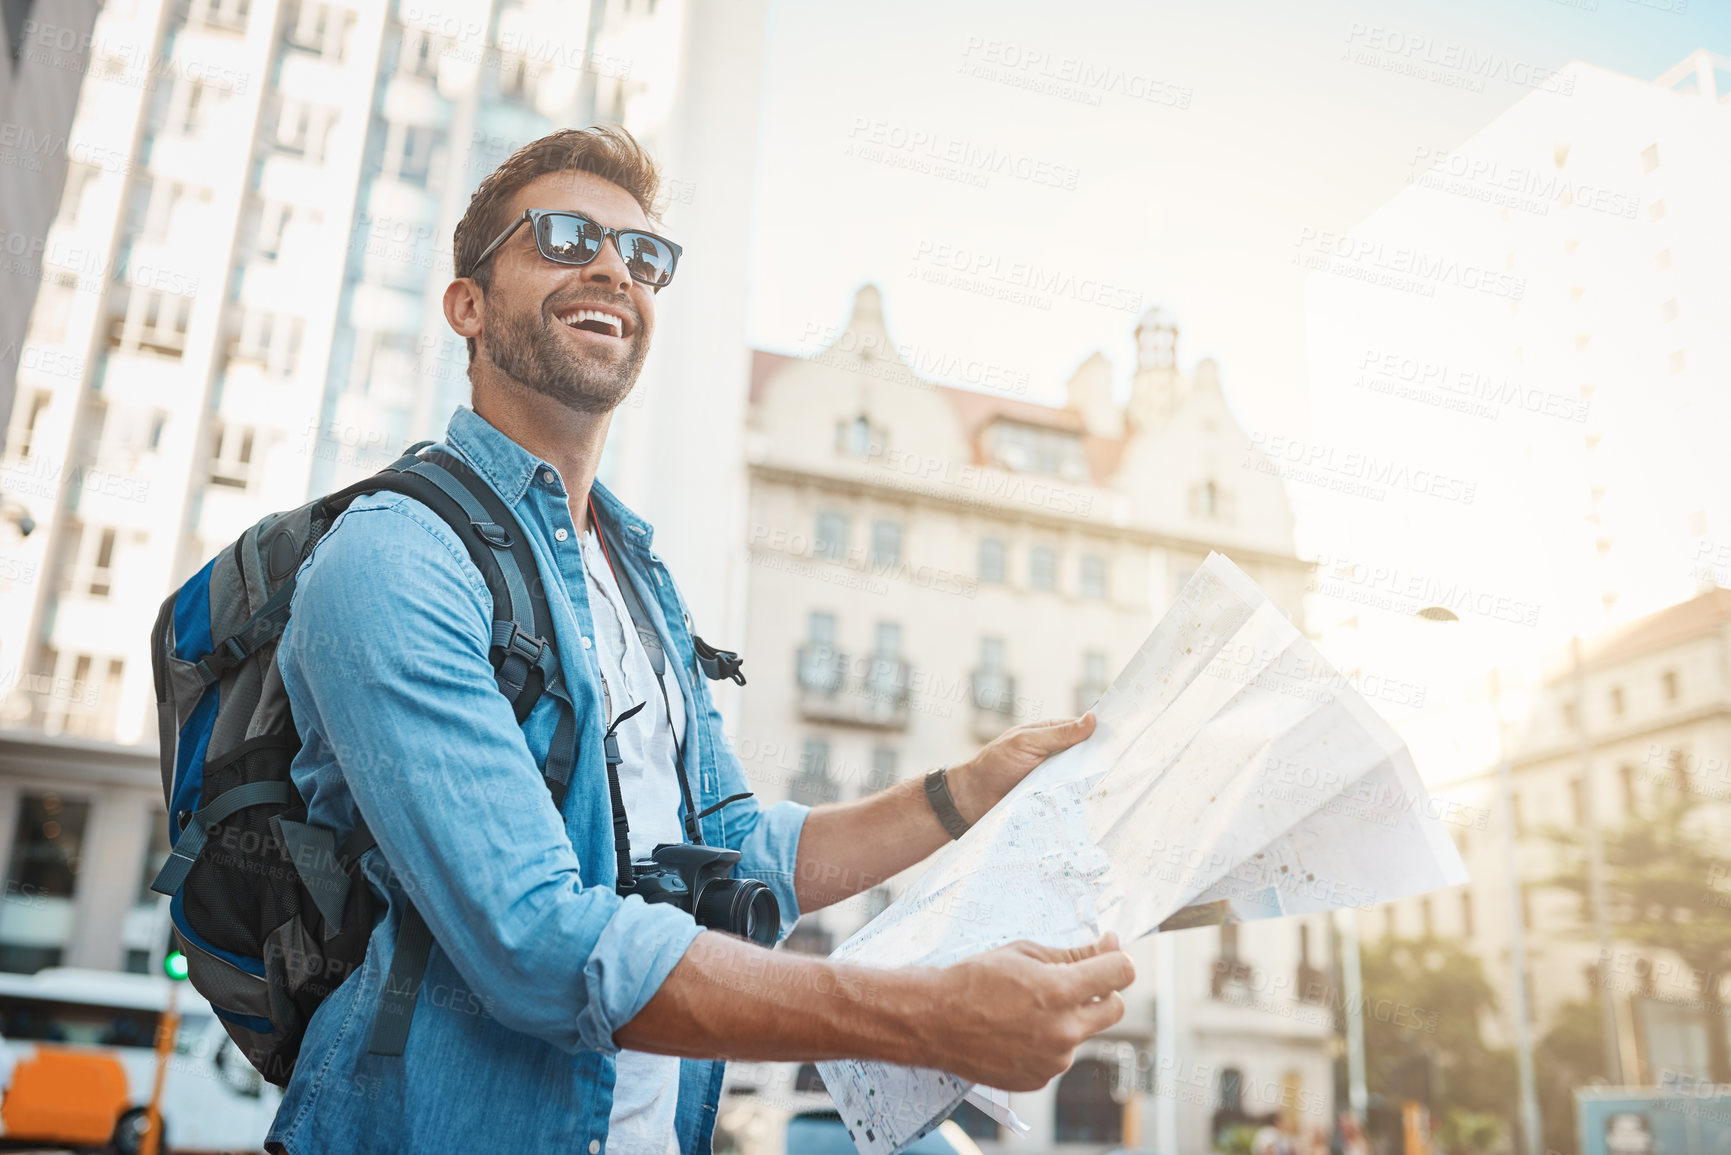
(977, 784)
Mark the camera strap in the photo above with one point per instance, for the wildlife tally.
(651, 639)
(621, 828)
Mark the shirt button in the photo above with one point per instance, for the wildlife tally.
(560, 534)
(594, 1146)
(586, 643)
(547, 476)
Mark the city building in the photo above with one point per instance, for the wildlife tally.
(1655, 700)
(932, 565)
(1523, 348)
(237, 308)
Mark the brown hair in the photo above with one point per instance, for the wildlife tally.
(605, 150)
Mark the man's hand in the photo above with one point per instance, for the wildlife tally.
(1013, 1017)
(978, 784)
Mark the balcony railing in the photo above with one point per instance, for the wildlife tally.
(833, 690)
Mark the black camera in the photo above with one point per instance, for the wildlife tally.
(697, 880)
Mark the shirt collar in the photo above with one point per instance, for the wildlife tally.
(511, 469)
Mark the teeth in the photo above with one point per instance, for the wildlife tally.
(608, 319)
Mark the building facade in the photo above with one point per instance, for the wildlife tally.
(930, 566)
(1654, 697)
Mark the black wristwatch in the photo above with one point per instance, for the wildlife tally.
(938, 794)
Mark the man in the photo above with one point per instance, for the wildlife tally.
(555, 1014)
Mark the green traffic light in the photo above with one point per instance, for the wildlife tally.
(174, 966)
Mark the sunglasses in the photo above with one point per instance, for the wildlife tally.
(572, 239)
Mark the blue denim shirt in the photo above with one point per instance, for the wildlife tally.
(537, 959)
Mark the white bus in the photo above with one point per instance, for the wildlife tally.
(82, 1047)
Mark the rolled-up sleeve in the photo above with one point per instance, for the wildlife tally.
(385, 663)
(767, 837)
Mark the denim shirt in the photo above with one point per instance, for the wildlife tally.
(537, 959)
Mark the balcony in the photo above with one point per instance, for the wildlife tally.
(831, 690)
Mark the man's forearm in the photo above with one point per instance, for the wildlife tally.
(731, 999)
(849, 847)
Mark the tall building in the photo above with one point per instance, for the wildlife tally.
(1655, 699)
(238, 308)
(1535, 321)
(46, 50)
(930, 566)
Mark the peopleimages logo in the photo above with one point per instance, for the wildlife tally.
(1398, 266)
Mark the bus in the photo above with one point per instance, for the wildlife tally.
(82, 1049)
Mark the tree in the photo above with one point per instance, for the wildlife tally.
(1660, 870)
(1424, 1001)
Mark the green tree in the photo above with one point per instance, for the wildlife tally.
(1661, 868)
(1424, 1001)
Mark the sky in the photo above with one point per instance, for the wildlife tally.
(1194, 143)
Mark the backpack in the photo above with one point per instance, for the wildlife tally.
(270, 912)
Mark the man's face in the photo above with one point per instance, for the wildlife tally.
(591, 365)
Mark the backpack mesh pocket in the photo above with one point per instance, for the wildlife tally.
(245, 881)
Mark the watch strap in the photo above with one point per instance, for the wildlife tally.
(938, 794)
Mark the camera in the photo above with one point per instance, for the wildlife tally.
(697, 880)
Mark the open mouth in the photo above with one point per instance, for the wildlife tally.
(603, 322)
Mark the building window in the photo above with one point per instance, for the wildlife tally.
(193, 109)
(883, 774)
(1526, 906)
(994, 689)
(830, 539)
(820, 664)
(1094, 577)
(409, 153)
(992, 560)
(1084, 1110)
(1093, 682)
(322, 29)
(1515, 812)
(47, 846)
(1578, 800)
(154, 322)
(1617, 700)
(1036, 449)
(889, 640)
(1042, 568)
(859, 437)
(273, 223)
(222, 15)
(815, 786)
(1467, 913)
(231, 456)
(24, 441)
(303, 129)
(1626, 772)
(97, 578)
(272, 340)
(419, 54)
(886, 543)
(1668, 685)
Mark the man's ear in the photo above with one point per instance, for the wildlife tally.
(465, 306)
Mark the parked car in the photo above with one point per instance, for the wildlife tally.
(783, 1109)
(84, 1046)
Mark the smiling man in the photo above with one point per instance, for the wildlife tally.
(559, 1011)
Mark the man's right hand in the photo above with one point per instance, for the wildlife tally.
(1012, 1018)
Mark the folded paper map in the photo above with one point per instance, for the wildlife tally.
(1233, 774)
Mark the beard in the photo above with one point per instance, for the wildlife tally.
(528, 349)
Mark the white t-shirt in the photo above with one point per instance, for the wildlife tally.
(646, 1087)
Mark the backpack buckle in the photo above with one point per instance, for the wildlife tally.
(523, 653)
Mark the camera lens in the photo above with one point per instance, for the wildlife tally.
(744, 907)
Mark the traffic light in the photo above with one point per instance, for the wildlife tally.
(174, 965)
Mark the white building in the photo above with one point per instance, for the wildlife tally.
(1657, 708)
(930, 566)
(1536, 319)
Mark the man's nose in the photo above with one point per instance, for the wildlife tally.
(608, 267)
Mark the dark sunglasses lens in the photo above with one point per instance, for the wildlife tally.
(569, 239)
(647, 258)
